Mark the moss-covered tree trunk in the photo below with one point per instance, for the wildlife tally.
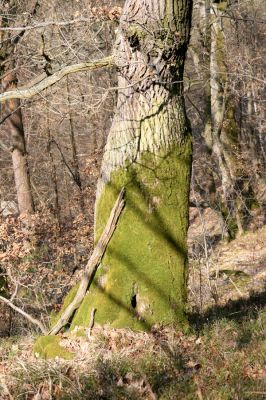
(236, 189)
(230, 194)
(142, 278)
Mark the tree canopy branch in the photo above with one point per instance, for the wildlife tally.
(29, 91)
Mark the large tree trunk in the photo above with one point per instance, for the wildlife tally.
(142, 278)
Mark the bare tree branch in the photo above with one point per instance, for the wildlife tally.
(111, 15)
(101, 13)
(71, 173)
(8, 115)
(26, 315)
(29, 91)
(45, 24)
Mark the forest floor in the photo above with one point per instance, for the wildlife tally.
(222, 357)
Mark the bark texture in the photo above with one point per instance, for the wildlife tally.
(236, 189)
(14, 123)
(230, 195)
(18, 148)
(142, 278)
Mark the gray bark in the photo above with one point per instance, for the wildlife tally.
(14, 123)
(150, 52)
(142, 277)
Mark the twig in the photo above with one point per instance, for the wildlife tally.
(30, 90)
(93, 311)
(92, 264)
(199, 392)
(258, 392)
(235, 286)
(26, 315)
(15, 293)
(45, 24)
(9, 115)
(71, 173)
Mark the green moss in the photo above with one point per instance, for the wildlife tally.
(68, 299)
(230, 133)
(136, 31)
(49, 347)
(230, 221)
(142, 278)
(3, 56)
(221, 56)
(3, 286)
(222, 5)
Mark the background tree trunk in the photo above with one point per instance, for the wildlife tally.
(14, 124)
(230, 194)
(142, 278)
(236, 189)
(18, 148)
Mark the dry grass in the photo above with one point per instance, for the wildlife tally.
(224, 358)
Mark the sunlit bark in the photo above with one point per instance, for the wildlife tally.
(142, 278)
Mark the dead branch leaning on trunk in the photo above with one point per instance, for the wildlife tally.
(92, 264)
(89, 272)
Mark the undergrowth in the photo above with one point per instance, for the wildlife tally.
(223, 359)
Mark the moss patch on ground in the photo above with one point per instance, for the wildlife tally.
(49, 347)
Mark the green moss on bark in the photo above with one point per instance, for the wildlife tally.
(68, 299)
(3, 286)
(142, 278)
(222, 5)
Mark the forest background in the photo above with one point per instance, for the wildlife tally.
(62, 133)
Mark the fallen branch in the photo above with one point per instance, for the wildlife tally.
(92, 264)
(29, 91)
(26, 315)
